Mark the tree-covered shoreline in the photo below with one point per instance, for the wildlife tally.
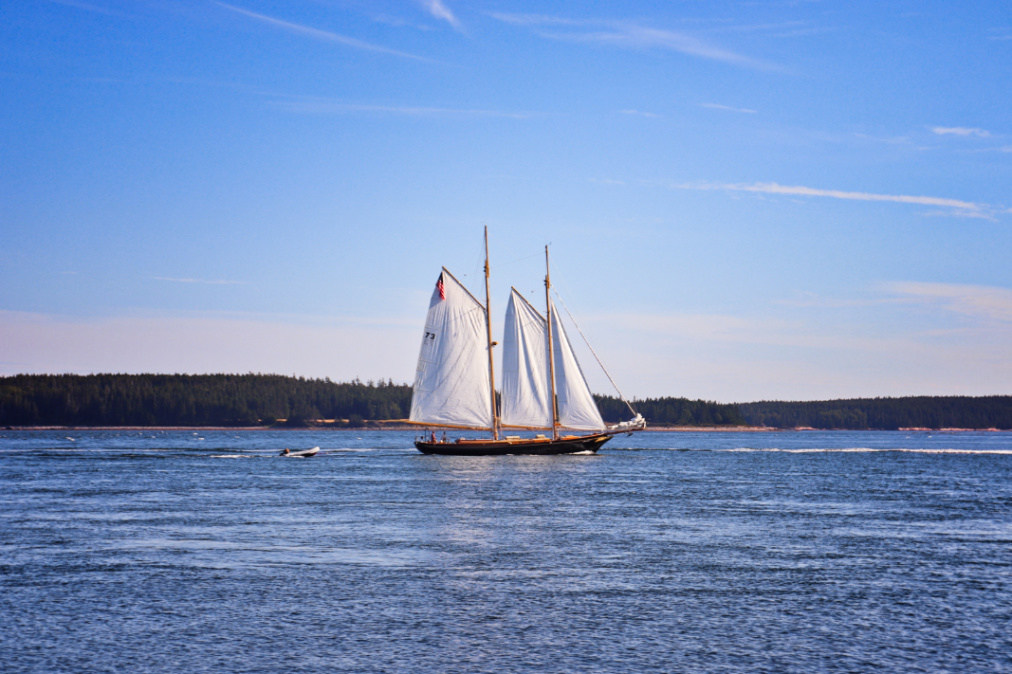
(252, 400)
(176, 400)
(932, 412)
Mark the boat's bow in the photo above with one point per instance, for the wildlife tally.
(637, 423)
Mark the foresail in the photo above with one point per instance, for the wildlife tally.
(525, 391)
(577, 409)
(452, 384)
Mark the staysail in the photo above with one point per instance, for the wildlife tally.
(452, 382)
(525, 387)
(577, 409)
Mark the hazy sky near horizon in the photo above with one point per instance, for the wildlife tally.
(743, 200)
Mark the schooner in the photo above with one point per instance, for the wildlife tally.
(543, 387)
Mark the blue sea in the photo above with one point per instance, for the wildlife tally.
(183, 551)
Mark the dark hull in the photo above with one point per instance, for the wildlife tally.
(565, 445)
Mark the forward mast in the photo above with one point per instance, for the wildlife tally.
(491, 357)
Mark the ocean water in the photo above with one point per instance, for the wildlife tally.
(141, 551)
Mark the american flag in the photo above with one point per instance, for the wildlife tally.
(442, 291)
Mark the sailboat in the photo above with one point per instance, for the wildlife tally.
(543, 387)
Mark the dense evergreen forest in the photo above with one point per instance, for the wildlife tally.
(193, 400)
(884, 413)
(259, 399)
(672, 412)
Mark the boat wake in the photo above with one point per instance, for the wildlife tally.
(859, 450)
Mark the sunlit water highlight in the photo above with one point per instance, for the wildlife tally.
(795, 552)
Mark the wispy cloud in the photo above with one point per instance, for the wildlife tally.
(326, 106)
(818, 349)
(960, 131)
(87, 7)
(721, 327)
(639, 113)
(535, 19)
(968, 207)
(718, 106)
(886, 140)
(317, 34)
(219, 282)
(808, 299)
(439, 10)
(990, 302)
(206, 343)
(628, 35)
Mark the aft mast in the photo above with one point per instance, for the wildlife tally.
(551, 350)
(491, 359)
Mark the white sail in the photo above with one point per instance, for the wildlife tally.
(525, 389)
(577, 409)
(452, 382)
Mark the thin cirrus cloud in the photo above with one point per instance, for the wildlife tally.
(87, 7)
(210, 282)
(317, 34)
(728, 108)
(960, 131)
(627, 35)
(311, 105)
(440, 11)
(640, 113)
(990, 302)
(964, 207)
(195, 344)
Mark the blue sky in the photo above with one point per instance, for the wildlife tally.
(743, 200)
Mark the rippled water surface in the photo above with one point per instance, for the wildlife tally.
(789, 552)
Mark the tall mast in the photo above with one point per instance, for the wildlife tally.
(551, 349)
(491, 359)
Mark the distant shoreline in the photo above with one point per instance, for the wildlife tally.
(256, 401)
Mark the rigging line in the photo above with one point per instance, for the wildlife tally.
(477, 270)
(587, 342)
(517, 260)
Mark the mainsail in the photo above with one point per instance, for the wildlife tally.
(526, 381)
(452, 382)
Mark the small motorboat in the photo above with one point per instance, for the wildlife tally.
(303, 453)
